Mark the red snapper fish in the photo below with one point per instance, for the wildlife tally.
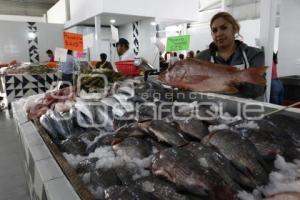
(202, 76)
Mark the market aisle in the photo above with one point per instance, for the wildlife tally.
(12, 179)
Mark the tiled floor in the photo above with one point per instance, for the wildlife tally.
(12, 178)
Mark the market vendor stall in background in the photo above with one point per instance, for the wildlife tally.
(137, 126)
(22, 80)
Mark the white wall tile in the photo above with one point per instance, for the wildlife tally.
(60, 189)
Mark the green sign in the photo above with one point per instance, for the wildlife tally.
(178, 43)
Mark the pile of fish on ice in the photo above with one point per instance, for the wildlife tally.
(124, 148)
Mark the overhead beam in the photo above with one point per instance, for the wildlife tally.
(24, 8)
(267, 31)
(209, 6)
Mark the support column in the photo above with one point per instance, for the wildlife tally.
(67, 8)
(223, 6)
(97, 35)
(267, 30)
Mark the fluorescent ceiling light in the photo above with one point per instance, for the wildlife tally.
(153, 23)
(31, 35)
(112, 21)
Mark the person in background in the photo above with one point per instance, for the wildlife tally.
(163, 65)
(123, 50)
(104, 64)
(68, 69)
(168, 55)
(190, 54)
(277, 89)
(173, 58)
(161, 58)
(50, 55)
(197, 53)
(226, 49)
(181, 56)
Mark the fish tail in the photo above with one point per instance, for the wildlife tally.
(253, 75)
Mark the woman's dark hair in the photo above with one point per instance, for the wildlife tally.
(103, 56)
(191, 54)
(229, 18)
(70, 52)
(49, 51)
(181, 56)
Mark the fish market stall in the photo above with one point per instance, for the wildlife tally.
(145, 140)
(26, 80)
(109, 148)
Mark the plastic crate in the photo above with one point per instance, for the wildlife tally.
(290, 102)
(52, 65)
(126, 67)
(291, 86)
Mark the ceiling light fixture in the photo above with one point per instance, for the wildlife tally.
(153, 23)
(112, 21)
(31, 35)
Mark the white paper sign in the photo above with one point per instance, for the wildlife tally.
(114, 33)
(60, 54)
(88, 41)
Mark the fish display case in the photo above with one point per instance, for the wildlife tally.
(45, 178)
(48, 174)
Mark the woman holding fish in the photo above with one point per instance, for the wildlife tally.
(226, 50)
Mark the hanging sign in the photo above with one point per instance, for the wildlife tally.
(114, 33)
(178, 43)
(60, 54)
(73, 41)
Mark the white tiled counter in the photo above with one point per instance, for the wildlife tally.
(16, 86)
(45, 179)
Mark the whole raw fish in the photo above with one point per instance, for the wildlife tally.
(202, 76)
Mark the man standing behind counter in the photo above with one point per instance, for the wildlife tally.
(68, 69)
(123, 50)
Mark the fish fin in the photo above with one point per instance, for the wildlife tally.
(253, 75)
(230, 90)
(241, 168)
(243, 180)
(116, 141)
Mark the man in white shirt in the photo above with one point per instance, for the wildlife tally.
(68, 69)
(123, 50)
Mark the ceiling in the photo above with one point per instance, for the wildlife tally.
(213, 4)
(25, 7)
(120, 19)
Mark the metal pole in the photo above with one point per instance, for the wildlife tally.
(267, 30)
(97, 34)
